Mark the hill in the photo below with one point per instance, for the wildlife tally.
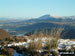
(36, 26)
(4, 34)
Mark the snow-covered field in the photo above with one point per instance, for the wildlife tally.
(61, 43)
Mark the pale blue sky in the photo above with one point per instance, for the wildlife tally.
(36, 8)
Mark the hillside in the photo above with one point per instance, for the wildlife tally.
(68, 31)
(4, 34)
(36, 26)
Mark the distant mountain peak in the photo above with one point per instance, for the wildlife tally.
(45, 16)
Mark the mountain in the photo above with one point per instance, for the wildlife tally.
(49, 18)
(43, 22)
(10, 20)
(45, 17)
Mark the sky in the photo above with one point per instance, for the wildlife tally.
(36, 8)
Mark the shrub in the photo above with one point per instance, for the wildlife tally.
(8, 51)
(3, 43)
(33, 46)
(52, 44)
(3, 55)
(33, 36)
